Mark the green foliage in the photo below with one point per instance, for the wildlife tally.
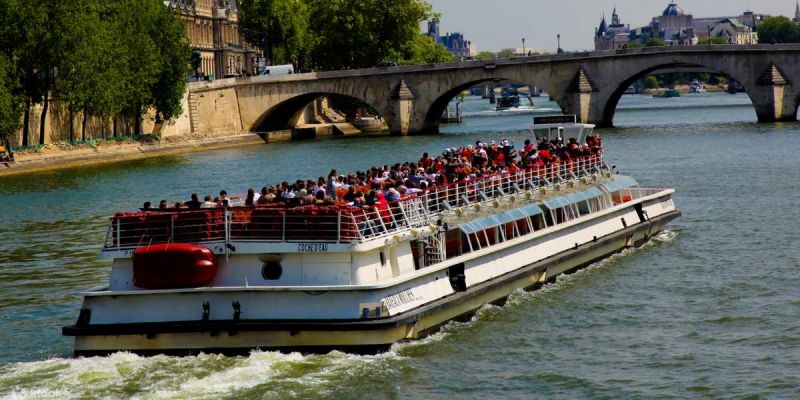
(363, 33)
(340, 34)
(717, 80)
(423, 50)
(169, 37)
(505, 53)
(650, 82)
(634, 45)
(9, 106)
(485, 55)
(778, 30)
(102, 58)
(280, 27)
(713, 40)
(654, 42)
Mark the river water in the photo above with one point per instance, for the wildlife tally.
(708, 309)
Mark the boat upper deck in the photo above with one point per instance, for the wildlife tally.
(341, 223)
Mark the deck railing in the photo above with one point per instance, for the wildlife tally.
(337, 223)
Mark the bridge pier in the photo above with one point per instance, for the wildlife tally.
(402, 105)
(586, 101)
(773, 97)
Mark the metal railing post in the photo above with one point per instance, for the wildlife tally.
(283, 227)
(119, 235)
(227, 227)
(339, 226)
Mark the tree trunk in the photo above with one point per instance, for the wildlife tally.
(83, 128)
(137, 128)
(45, 106)
(115, 127)
(71, 126)
(26, 121)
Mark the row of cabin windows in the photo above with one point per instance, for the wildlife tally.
(458, 243)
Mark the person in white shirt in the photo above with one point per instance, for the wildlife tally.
(208, 203)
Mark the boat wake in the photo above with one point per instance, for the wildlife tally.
(206, 376)
(491, 312)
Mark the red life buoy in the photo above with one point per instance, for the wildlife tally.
(173, 266)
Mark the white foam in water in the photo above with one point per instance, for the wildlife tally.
(204, 376)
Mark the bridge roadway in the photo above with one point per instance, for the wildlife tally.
(412, 98)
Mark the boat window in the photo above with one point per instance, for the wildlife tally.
(538, 222)
(584, 208)
(454, 243)
(383, 259)
(548, 217)
(474, 242)
(418, 253)
(523, 226)
(271, 270)
(492, 236)
(510, 231)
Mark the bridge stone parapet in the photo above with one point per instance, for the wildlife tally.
(411, 99)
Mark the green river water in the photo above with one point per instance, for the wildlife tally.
(709, 309)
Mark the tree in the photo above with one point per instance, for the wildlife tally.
(280, 27)
(90, 79)
(157, 60)
(9, 112)
(486, 55)
(363, 33)
(654, 42)
(9, 101)
(505, 53)
(713, 40)
(423, 50)
(778, 30)
(650, 82)
(169, 35)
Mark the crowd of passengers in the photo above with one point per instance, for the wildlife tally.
(381, 185)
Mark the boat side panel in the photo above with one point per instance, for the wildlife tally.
(265, 304)
(230, 341)
(508, 259)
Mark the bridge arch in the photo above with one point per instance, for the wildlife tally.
(288, 113)
(613, 101)
(434, 112)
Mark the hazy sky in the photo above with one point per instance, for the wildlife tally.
(497, 24)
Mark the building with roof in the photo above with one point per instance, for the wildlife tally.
(796, 18)
(212, 27)
(454, 42)
(676, 27)
(612, 36)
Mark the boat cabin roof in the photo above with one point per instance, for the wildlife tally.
(564, 127)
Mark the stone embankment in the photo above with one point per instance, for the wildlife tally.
(61, 156)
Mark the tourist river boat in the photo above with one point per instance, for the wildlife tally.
(313, 279)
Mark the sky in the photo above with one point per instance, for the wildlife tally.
(497, 24)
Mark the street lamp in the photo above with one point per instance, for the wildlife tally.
(469, 48)
(558, 37)
(523, 47)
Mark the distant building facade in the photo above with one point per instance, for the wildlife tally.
(455, 42)
(677, 28)
(612, 36)
(212, 27)
(796, 18)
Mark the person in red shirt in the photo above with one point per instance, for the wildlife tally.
(426, 161)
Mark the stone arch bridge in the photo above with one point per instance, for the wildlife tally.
(412, 98)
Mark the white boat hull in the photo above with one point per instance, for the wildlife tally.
(490, 277)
